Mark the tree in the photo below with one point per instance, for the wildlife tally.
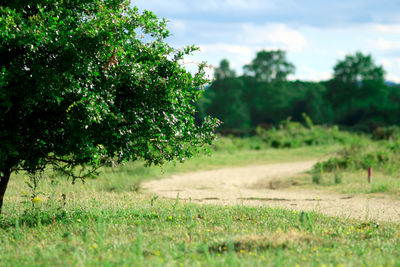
(224, 71)
(269, 66)
(357, 91)
(268, 102)
(357, 69)
(224, 99)
(310, 100)
(267, 92)
(84, 82)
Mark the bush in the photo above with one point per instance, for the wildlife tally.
(382, 155)
(293, 134)
(386, 133)
(232, 144)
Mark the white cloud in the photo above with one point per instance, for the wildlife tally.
(387, 45)
(238, 29)
(392, 65)
(272, 35)
(391, 29)
(386, 63)
(177, 26)
(393, 78)
(309, 74)
(342, 53)
(226, 48)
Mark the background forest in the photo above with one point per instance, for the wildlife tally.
(357, 97)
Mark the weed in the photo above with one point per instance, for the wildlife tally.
(152, 200)
(316, 177)
(175, 205)
(338, 177)
(191, 224)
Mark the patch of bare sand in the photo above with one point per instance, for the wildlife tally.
(253, 186)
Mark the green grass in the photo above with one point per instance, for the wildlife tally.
(125, 229)
(109, 222)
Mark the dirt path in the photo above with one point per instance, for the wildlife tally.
(252, 185)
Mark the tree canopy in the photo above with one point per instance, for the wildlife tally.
(270, 66)
(224, 71)
(358, 90)
(224, 98)
(358, 68)
(84, 82)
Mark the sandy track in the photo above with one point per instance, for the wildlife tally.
(251, 186)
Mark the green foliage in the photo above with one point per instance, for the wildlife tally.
(244, 102)
(358, 68)
(386, 133)
(383, 156)
(307, 120)
(83, 83)
(225, 102)
(357, 92)
(293, 134)
(224, 99)
(224, 71)
(357, 97)
(270, 66)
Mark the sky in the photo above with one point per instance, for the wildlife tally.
(315, 34)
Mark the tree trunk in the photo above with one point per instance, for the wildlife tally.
(3, 185)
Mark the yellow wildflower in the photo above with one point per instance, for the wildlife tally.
(36, 200)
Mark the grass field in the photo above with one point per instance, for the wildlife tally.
(109, 222)
(127, 229)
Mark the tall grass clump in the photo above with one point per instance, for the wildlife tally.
(338, 177)
(316, 177)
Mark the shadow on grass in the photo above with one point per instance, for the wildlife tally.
(261, 242)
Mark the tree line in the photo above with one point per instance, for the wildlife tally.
(356, 97)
